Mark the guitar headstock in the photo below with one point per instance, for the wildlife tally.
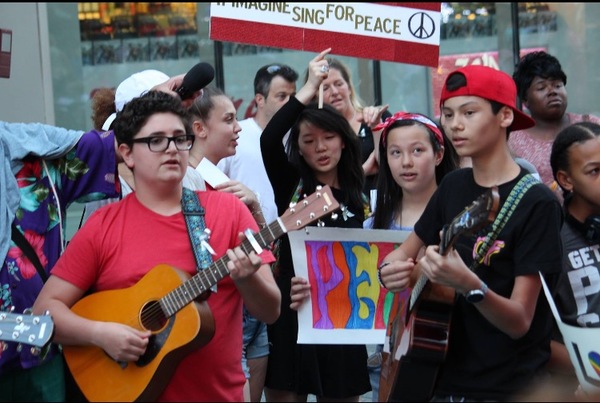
(36, 331)
(309, 209)
(481, 212)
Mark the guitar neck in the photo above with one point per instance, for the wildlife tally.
(205, 279)
(27, 329)
(416, 291)
(448, 238)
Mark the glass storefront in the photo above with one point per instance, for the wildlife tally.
(96, 45)
(118, 39)
(134, 32)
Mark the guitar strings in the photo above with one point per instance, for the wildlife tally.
(176, 299)
(156, 311)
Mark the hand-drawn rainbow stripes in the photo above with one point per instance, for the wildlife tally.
(344, 287)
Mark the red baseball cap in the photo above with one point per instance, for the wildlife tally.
(493, 85)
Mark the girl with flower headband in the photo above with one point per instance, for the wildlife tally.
(414, 156)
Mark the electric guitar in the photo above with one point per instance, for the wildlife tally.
(161, 302)
(32, 330)
(416, 344)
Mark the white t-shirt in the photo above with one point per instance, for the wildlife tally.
(247, 167)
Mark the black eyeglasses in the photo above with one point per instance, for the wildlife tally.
(159, 144)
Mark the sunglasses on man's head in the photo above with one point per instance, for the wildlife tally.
(275, 68)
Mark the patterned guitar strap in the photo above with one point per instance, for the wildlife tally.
(199, 235)
(509, 206)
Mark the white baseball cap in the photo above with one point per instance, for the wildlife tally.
(132, 87)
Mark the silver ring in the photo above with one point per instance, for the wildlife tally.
(324, 69)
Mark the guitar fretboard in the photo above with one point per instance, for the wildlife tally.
(416, 291)
(205, 279)
(470, 219)
(448, 234)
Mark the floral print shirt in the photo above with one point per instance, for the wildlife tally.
(47, 187)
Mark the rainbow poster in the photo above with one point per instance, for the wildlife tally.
(347, 304)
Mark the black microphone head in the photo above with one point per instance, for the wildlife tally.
(197, 78)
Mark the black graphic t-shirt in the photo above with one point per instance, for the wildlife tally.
(483, 362)
(578, 291)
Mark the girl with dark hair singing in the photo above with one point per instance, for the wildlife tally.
(322, 149)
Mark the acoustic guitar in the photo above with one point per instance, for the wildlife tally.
(417, 339)
(163, 301)
(26, 329)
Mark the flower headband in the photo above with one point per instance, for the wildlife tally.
(409, 116)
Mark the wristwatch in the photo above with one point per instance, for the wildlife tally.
(477, 295)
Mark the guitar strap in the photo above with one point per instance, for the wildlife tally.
(509, 206)
(22, 242)
(194, 219)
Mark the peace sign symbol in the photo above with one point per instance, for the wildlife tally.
(421, 25)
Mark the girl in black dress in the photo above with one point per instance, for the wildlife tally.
(322, 149)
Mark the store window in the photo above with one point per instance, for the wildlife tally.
(474, 33)
(113, 33)
(96, 45)
(466, 20)
(118, 39)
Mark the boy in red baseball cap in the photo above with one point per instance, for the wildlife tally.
(499, 338)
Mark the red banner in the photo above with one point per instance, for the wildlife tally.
(398, 32)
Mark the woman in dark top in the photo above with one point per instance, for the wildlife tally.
(322, 150)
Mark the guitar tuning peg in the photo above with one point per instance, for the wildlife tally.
(35, 351)
(44, 351)
(19, 348)
(320, 223)
(3, 346)
(334, 216)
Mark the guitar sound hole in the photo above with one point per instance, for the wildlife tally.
(152, 317)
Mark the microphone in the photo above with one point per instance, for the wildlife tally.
(197, 78)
